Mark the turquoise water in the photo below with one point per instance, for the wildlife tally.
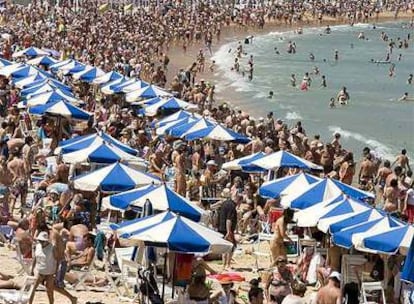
(374, 117)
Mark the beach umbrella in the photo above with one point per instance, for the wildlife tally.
(43, 60)
(52, 52)
(43, 88)
(172, 124)
(161, 197)
(8, 70)
(243, 163)
(29, 81)
(330, 211)
(72, 68)
(18, 71)
(152, 106)
(217, 132)
(60, 108)
(407, 274)
(179, 115)
(51, 96)
(85, 141)
(174, 232)
(101, 151)
(287, 185)
(113, 178)
(183, 129)
(4, 62)
(346, 237)
(352, 220)
(389, 241)
(57, 65)
(133, 86)
(150, 91)
(88, 74)
(283, 159)
(107, 77)
(321, 191)
(116, 85)
(31, 52)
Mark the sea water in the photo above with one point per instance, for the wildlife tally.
(373, 117)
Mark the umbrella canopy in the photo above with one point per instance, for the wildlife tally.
(29, 81)
(287, 185)
(43, 88)
(283, 159)
(51, 96)
(321, 191)
(352, 220)
(161, 197)
(175, 233)
(112, 178)
(174, 117)
(152, 106)
(115, 86)
(60, 108)
(330, 212)
(43, 60)
(107, 77)
(8, 69)
(70, 67)
(88, 74)
(407, 274)
(57, 65)
(242, 163)
(31, 52)
(182, 130)
(133, 86)
(388, 242)
(150, 91)
(27, 70)
(217, 132)
(83, 142)
(101, 151)
(165, 128)
(4, 62)
(346, 237)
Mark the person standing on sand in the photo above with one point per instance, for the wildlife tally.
(331, 293)
(402, 160)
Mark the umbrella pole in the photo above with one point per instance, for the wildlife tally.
(164, 270)
(173, 276)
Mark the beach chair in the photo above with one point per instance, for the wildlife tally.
(25, 263)
(372, 290)
(113, 277)
(264, 235)
(129, 280)
(351, 264)
(21, 296)
(122, 254)
(83, 274)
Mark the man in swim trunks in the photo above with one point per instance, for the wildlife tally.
(19, 186)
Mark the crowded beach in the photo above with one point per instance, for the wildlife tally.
(125, 178)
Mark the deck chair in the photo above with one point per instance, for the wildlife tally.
(129, 280)
(21, 296)
(264, 235)
(372, 290)
(25, 263)
(122, 254)
(347, 268)
(83, 275)
(113, 277)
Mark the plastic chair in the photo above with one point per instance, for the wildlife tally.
(371, 290)
(21, 296)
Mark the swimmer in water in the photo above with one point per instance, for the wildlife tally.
(361, 36)
(405, 98)
(343, 96)
(316, 71)
(410, 79)
(311, 57)
(323, 83)
(399, 57)
(336, 55)
(293, 80)
(391, 71)
(328, 30)
(270, 96)
(277, 51)
(332, 103)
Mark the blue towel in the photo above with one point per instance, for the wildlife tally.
(99, 244)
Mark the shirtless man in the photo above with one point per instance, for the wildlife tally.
(82, 257)
(382, 175)
(76, 239)
(157, 164)
(333, 263)
(367, 170)
(19, 175)
(402, 161)
(331, 293)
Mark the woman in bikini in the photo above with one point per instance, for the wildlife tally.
(277, 246)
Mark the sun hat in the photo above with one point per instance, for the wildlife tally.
(43, 236)
(211, 162)
(335, 275)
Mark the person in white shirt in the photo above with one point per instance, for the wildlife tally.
(408, 205)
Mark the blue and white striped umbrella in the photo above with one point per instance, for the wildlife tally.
(366, 216)
(133, 86)
(407, 274)
(110, 76)
(389, 241)
(173, 232)
(242, 163)
(69, 66)
(29, 81)
(43, 60)
(321, 191)
(151, 106)
(173, 117)
(4, 62)
(43, 88)
(8, 69)
(89, 74)
(52, 96)
(55, 67)
(283, 159)
(83, 142)
(287, 185)
(161, 197)
(31, 52)
(60, 108)
(101, 151)
(150, 91)
(182, 130)
(114, 178)
(28, 70)
(165, 128)
(217, 132)
(115, 86)
(330, 212)
(347, 237)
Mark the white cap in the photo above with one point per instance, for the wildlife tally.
(43, 236)
(336, 275)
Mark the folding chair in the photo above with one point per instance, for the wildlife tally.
(21, 296)
(129, 280)
(83, 275)
(370, 290)
(351, 263)
(113, 277)
(264, 236)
